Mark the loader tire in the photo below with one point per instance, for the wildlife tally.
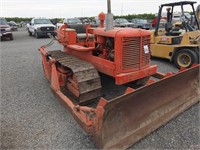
(185, 58)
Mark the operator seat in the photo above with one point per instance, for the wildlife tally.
(170, 31)
(78, 27)
(81, 32)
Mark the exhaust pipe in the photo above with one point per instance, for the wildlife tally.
(109, 6)
(109, 17)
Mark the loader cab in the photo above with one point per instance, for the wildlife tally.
(178, 42)
(183, 17)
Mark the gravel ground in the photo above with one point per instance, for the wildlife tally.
(31, 116)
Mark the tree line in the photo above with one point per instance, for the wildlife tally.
(18, 19)
(129, 16)
(139, 16)
(148, 16)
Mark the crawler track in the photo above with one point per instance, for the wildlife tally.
(84, 81)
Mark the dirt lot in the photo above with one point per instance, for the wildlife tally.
(31, 116)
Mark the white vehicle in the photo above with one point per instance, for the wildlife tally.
(72, 21)
(177, 17)
(58, 24)
(41, 27)
(121, 22)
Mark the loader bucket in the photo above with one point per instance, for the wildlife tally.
(128, 118)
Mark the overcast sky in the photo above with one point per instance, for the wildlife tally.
(76, 8)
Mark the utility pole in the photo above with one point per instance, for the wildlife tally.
(122, 8)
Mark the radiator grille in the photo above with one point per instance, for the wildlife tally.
(47, 28)
(132, 48)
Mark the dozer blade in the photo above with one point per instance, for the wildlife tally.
(128, 118)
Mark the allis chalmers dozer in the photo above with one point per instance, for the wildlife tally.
(150, 99)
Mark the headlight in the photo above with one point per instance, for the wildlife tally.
(7, 29)
(38, 29)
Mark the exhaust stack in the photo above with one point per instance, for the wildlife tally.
(109, 17)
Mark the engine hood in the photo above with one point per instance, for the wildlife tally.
(44, 25)
(122, 32)
(4, 26)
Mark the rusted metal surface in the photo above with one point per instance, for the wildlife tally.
(84, 81)
(128, 118)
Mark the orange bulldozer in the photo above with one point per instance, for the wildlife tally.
(149, 99)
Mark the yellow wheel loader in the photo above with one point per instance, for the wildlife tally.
(180, 46)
